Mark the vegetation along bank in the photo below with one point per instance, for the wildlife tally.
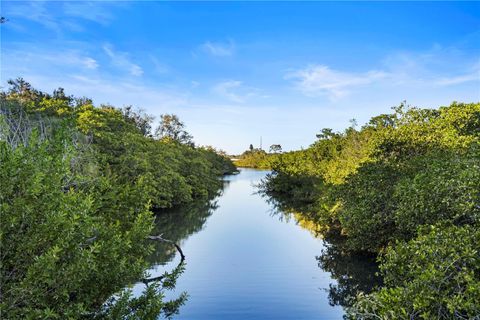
(406, 188)
(79, 183)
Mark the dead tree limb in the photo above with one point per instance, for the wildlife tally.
(180, 264)
(160, 238)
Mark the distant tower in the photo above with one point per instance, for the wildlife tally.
(261, 143)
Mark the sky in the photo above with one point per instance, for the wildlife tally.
(235, 72)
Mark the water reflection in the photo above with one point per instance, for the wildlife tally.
(172, 228)
(244, 264)
(354, 273)
(177, 225)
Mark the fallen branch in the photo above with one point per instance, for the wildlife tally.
(160, 238)
(180, 264)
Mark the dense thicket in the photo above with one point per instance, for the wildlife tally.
(78, 184)
(405, 185)
(254, 158)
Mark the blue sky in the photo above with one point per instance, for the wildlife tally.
(235, 71)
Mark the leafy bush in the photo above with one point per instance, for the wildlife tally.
(434, 276)
(388, 182)
(78, 183)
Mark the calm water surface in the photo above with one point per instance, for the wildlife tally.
(243, 261)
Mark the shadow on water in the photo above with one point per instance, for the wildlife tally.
(174, 226)
(264, 256)
(177, 224)
(354, 273)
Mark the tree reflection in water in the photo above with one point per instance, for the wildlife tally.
(354, 272)
(172, 227)
(178, 224)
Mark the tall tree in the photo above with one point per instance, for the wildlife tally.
(275, 148)
(173, 129)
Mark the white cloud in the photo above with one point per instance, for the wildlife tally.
(234, 91)
(160, 68)
(34, 11)
(93, 11)
(121, 60)
(468, 76)
(316, 80)
(59, 17)
(219, 49)
(397, 72)
(90, 63)
(475, 76)
(436, 67)
(124, 92)
(47, 60)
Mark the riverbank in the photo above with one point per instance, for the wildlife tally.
(403, 183)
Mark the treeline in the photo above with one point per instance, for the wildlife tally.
(257, 157)
(254, 158)
(79, 184)
(405, 187)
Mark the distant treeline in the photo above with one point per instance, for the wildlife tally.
(405, 187)
(255, 158)
(78, 183)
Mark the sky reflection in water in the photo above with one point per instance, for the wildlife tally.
(244, 262)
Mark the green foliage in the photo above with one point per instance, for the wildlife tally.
(414, 167)
(434, 276)
(445, 187)
(366, 213)
(354, 273)
(255, 158)
(150, 305)
(386, 183)
(78, 183)
(69, 248)
(176, 172)
(275, 148)
(171, 128)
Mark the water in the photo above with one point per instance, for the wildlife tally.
(244, 262)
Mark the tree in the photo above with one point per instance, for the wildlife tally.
(404, 187)
(251, 147)
(326, 133)
(75, 199)
(141, 120)
(434, 276)
(171, 128)
(275, 148)
(22, 91)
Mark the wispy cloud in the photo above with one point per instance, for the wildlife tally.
(472, 74)
(219, 49)
(90, 63)
(234, 91)
(399, 71)
(125, 92)
(317, 80)
(436, 67)
(77, 72)
(60, 17)
(121, 60)
(159, 67)
(48, 60)
(35, 11)
(93, 11)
